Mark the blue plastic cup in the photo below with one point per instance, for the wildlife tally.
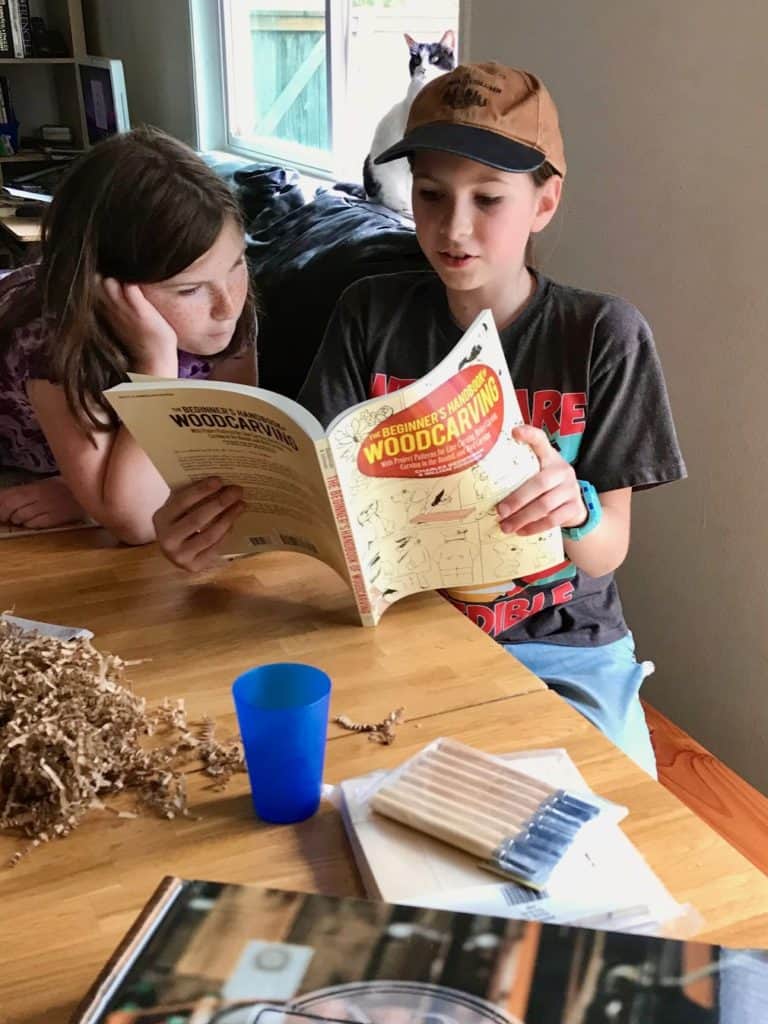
(282, 711)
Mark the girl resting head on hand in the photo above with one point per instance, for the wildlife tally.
(143, 270)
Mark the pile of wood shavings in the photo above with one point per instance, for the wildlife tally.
(71, 733)
(378, 732)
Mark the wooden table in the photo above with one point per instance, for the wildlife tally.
(66, 906)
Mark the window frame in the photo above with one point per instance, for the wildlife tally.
(318, 162)
(211, 87)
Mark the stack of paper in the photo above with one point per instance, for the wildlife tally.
(601, 882)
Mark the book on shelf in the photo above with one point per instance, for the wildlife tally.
(25, 27)
(398, 494)
(17, 34)
(21, 28)
(6, 41)
(215, 953)
(5, 101)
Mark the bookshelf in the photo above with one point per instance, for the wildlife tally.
(37, 60)
(46, 90)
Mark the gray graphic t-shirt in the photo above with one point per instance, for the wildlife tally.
(586, 371)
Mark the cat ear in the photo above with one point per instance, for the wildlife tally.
(412, 44)
(448, 40)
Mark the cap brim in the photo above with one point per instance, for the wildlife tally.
(487, 147)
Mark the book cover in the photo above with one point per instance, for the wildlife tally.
(213, 953)
(398, 495)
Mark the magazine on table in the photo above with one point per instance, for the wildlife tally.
(215, 953)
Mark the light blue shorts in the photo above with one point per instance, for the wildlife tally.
(603, 683)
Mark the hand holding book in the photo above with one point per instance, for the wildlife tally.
(551, 498)
(195, 520)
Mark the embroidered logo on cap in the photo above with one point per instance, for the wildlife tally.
(459, 94)
(459, 97)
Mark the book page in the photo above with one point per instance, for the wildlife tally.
(423, 468)
(264, 443)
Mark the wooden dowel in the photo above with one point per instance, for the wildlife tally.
(494, 771)
(460, 816)
(509, 814)
(501, 792)
(475, 816)
(496, 765)
(433, 826)
(418, 803)
(489, 766)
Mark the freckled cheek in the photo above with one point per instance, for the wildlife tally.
(239, 292)
(185, 317)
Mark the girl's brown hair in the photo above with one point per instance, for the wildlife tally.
(139, 207)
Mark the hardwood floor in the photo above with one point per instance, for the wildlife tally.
(737, 811)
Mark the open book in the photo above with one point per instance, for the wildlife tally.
(398, 495)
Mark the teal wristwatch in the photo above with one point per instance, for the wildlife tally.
(594, 513)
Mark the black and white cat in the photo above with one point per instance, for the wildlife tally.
(390, 184)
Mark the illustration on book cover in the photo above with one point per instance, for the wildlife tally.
(422, 476)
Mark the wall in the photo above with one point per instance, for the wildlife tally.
(153, 39)
(663, 110)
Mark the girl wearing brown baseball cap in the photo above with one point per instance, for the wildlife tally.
(488, 164)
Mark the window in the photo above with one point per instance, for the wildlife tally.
(308, 80)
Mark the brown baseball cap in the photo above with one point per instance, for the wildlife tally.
(499, 116)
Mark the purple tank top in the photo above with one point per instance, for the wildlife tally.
(22, 442)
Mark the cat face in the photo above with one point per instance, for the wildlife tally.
(428, 60)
